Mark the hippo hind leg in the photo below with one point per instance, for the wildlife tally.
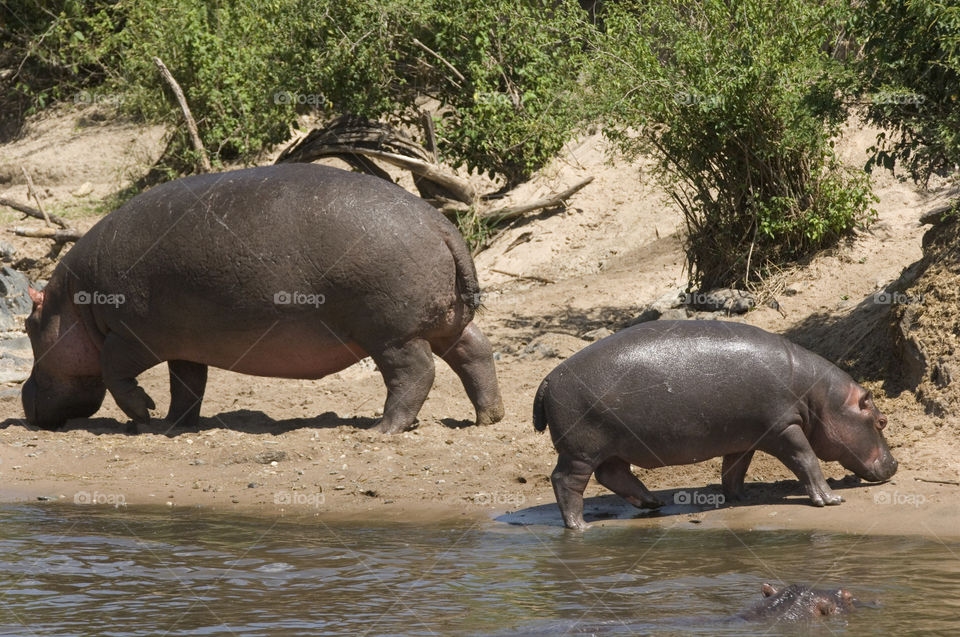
(188, 380)
(569, 479)
(733, 472)
(408, 374)
(121, 361)
(615, 474)
(471, 357)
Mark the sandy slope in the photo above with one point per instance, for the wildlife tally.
(301, 447)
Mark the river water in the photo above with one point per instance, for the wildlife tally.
(73, 570)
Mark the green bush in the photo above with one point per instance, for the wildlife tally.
(247, 68)
(738, 101)
(909, 72)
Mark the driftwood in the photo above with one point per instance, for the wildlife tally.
(31, 211)
(556, 199)
(357, 140)
(58, 235)
(191, 123)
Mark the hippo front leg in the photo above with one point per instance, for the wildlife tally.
(793, 449)
(471, 357)
(408, 374)
(188, 381)
(121, 361)
(733, 472)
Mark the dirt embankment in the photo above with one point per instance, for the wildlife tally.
(302, 447)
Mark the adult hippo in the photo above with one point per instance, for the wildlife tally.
(293, 271)
(678, 392)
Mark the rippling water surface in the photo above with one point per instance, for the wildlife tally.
(131, 571)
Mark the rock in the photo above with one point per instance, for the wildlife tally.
(85, 189)
(7, 251)
(540, 350)
(597, 334)
(727, 300)
(669, 301)
(678, 314)
(793, 289)
(15, 302)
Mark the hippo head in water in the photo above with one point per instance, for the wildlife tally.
(799, 603)
(850, 430)
(65, 381)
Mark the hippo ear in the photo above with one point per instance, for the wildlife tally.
(768, 590)
(865, 399)
(826, 607)
(36, 296)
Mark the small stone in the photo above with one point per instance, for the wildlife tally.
(44, 498)
(679, 314)
(271, 457)
(793, 289)
(597, 334)
(85, 189)
(252, 485)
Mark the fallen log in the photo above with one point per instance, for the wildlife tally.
(58, 235)
(556, 199)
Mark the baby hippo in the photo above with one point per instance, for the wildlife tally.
(679, 392)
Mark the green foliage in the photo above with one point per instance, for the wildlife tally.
(248, 68)
(738, 101)
(910, 72)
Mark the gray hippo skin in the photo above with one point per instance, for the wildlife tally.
(797, 602)
(678, 392)
(293, 271)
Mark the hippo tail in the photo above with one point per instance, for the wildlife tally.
(468, 287)
(539, 413)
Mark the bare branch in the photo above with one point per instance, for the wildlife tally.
(191, 123)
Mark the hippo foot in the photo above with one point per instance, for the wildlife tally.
(734, 496)
(825, 499)
(136, 404)
(490, 416)
(646, 503)
(385, 426)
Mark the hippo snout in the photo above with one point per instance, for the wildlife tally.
(882, 469)
(48, 402)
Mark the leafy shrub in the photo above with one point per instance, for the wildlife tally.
(247, 68)
(738, 102)
(910, 72)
